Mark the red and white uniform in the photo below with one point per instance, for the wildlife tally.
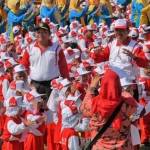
(12, 134)
(5, 84)
(145, 100)
(45, 64)
(69, 139)
(146, 49)
(35, 136)
(115, 54)
(1, 87)
(14, 128)
(2, 122)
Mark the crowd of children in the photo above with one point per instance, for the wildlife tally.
(60, 83)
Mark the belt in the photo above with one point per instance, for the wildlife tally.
(45, 83)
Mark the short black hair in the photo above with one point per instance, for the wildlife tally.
(44, 26)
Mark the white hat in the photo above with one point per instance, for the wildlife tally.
(19, 68)
(100, 68)
(62, 84)
(82, 71)
(75, 25)
(71, 54)
(65, 82)
(110, 33)
(120, 6)
(146, 29)
(73, 97)
(13, 105)
(33, 95)
(101, 24)
(134, 32)
(82, 44)
(91, 27)
(87, 62)
(66, 39)
(14, 101)
(4, 56)
(18, 85)
(141, 37)
(56, 83)
(121, 24)
(46, 20)
(72, 36)
(10, 63)
(16, 29)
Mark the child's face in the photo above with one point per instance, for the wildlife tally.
(37, 106)
(147, 36)
(76, 62)
(130, 89)
(88, 34)
(147, 72)
(20, 112)
(2, 109)
(73, 88)
(21, 76)
(10, 47)
(85, 78)
(68, 91)
(10, 72)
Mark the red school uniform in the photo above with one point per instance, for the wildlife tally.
(58, 126)
(34, 142)
(15, 144)
(2, 122)
(65, 135)
(1, 83)
(51, 136)
(145, 121)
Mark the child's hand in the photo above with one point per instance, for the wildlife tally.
(43, 118)
(28, 122)
(95, 81)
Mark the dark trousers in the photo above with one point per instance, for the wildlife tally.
(42, 87)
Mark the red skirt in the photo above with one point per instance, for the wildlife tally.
(145, 125)
(34, 142)
(15, 145)
(51, 136)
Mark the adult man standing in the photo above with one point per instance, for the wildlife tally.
(123, 53)
(44, 59)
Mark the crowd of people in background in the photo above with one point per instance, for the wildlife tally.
(74, 74)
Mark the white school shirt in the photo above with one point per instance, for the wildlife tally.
(120, 60)
(44, 66)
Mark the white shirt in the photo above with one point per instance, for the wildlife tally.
(44, 66)
(120, 60)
